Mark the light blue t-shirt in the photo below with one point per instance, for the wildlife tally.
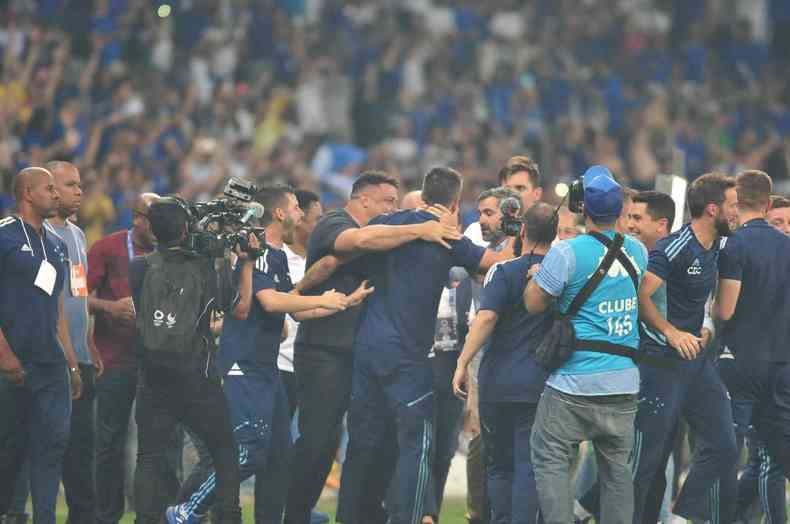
(610, 314)
(75, 307)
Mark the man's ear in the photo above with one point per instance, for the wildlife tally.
(667, 225)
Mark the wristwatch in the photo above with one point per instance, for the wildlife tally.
(74, 370)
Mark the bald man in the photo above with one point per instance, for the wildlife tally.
(412, 200)
(110, 301)
(38, 367)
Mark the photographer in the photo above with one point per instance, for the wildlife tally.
(176, 290)
(591, 396)
(489, 205)
(510, 380)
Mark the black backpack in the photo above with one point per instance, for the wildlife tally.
(173, 303)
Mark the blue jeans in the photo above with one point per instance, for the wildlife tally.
(35, 418)
(510, 480)
(564, 421)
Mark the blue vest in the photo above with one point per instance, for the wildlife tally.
(611, 313)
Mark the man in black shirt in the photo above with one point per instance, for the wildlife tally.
(754, 275)
(323, 348)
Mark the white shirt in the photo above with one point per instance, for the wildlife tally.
(475, 233)
(296, 266)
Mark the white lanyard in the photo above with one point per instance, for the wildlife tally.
(24, 230)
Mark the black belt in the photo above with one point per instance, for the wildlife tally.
(599, 346)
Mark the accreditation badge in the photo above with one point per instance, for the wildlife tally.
(78, 279)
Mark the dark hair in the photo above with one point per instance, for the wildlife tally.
(779, 201)
(708, 189)
(629, 194)
(168, 217)
(372, 178)
(754, 189)
(441, 185)
(542, 221)
(306, 199)
(520, 163)
(500, 193)
(271, 198)
(659, 205)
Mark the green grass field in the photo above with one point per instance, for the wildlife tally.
(452, 511)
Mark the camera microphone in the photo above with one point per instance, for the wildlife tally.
(254, 209)
(510, 206)
(511, 216)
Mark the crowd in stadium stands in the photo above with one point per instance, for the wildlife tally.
(177, 97)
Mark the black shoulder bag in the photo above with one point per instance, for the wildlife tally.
(560, 342)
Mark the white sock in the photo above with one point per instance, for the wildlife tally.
(579, 512)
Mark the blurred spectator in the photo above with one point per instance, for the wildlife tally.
(309, 91)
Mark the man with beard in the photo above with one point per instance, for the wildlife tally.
(491, 236)
(38, 365)
(680, 276)
(521, 174)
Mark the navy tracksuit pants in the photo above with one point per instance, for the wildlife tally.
(510, 482)
(692, 389)
(390, 423)
(761, 409)
(261, 422)
(762, 480)
(447, 425)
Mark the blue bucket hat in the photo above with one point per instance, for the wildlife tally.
(603, 196)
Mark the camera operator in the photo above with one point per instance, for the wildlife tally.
(489, 205)
(592, 396)
(650, 218)
(177, 290)
(247, 361)
(510, 381)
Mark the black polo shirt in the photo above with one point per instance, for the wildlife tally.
(758, 256)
